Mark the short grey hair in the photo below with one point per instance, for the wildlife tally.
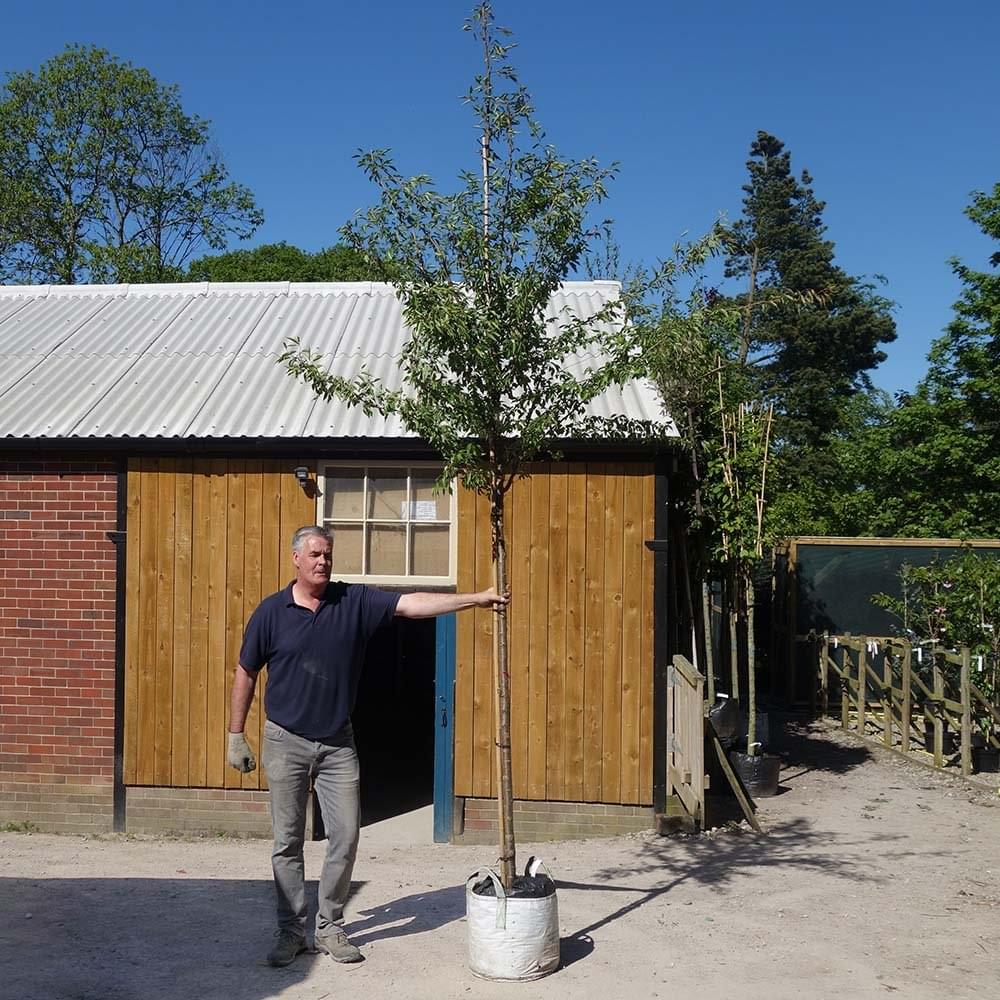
(308, 531)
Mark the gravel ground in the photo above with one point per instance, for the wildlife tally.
(875, 875)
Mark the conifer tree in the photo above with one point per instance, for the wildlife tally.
(810, 349)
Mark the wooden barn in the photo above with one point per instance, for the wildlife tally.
(155, 460)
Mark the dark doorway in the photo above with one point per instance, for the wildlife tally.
(394, 720)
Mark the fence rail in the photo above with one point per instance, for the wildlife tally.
(905, 692)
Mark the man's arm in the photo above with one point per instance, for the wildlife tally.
(238, 751)
(244, 684)
(429, 605)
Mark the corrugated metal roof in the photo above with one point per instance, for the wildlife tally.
(196, 361)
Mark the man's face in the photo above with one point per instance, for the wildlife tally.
(313, 561)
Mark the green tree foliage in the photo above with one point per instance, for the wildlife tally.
(281, 262)
(819, 331)
(105, 178)
(951, 603)
(489, 382)
(930, 466)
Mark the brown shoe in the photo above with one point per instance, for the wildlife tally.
(286, 948)
(338, 947)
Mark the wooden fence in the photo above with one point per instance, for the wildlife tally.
(904, 692)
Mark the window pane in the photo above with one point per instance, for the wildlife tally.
(347, 540)
(386, 550)
(344, 493)
(387, 494)
(429, 555)
(428, 505)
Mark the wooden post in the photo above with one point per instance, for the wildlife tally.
(966, 697)
(814, 680)
(793, 625)
(906, 709)
(938, 710)
(845, 687)
(887, 696)
(862, 682)
(824, 680)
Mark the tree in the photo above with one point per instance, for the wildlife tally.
(695, 354)
(809, 352)
(105, 178)
(931, 464)
(953, 602)
(281, 262)
(487, 382)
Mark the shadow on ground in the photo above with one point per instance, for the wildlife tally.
(131, 939)
(804, 747)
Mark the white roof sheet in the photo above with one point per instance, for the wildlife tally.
(199, 361)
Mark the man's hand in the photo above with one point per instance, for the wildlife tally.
(491, 599)
(239, 753)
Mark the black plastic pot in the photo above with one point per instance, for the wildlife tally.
(727, 719)
(758, 773)
(985, 760)
(948, 744)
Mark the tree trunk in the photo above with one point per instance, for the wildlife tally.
(706, 619)
(734, 645)
(501, 674)
(751, 663)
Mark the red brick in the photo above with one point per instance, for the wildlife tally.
(57, 618)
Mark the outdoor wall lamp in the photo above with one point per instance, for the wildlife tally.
(302, 475)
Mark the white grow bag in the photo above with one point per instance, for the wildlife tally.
(511, 938)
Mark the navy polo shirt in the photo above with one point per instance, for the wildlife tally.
(314, 659)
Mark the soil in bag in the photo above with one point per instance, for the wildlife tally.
(524, 887)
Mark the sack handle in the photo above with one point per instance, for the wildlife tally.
(501, 920)
(531, 869)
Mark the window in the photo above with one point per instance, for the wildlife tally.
(389, 523)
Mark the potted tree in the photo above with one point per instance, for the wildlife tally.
(742, 464)
(487, 380)
(698, 351)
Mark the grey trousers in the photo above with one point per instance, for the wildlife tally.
(291, 764)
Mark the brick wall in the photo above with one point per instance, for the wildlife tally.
(199, 811)
(539, 821)
(57, 644)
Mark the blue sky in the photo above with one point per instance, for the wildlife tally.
(893, 107)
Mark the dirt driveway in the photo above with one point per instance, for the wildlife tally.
(876, 877)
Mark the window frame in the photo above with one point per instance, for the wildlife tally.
(409, 467)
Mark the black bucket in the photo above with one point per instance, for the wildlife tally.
(948, 743)
(759, 773)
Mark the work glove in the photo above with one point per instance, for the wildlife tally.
(239, 753)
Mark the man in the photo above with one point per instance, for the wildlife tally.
(312, 636)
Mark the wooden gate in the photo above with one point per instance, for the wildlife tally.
(686, 738)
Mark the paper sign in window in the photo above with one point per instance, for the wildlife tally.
(419, 510)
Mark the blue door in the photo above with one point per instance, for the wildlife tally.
(444, 711)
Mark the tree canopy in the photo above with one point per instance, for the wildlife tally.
(282, 262)
(106, 178)
(491, 378)
(931, 464)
